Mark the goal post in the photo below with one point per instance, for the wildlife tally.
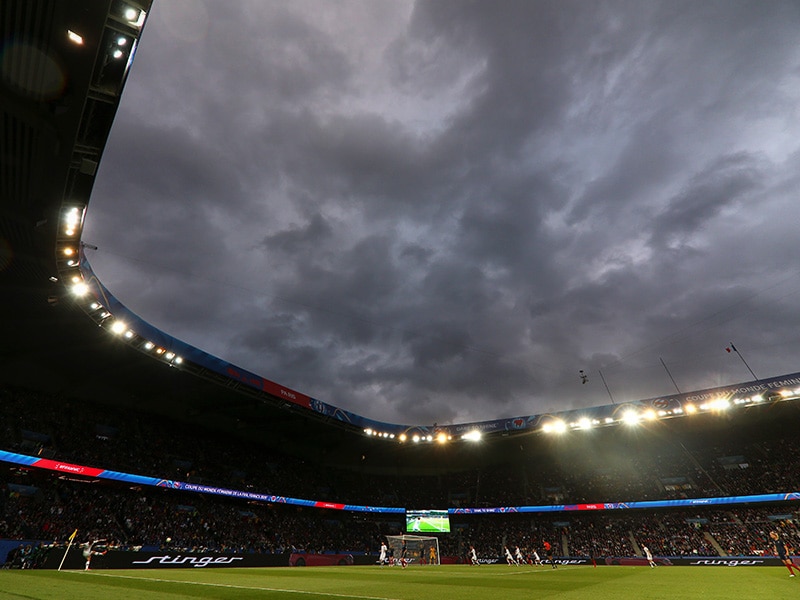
(418, 548)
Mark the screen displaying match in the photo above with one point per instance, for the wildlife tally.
(427, 521)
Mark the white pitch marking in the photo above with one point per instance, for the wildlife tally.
(227, 585)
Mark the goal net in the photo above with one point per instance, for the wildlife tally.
(420, 549)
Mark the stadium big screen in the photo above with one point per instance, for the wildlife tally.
(427, 521)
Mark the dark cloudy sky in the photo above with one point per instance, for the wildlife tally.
(443, 210)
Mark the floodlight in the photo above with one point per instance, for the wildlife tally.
(80, 289)
(472, 436)
(118, 327)
(149, 346)
(74, 37)
(71, 220)
(134, 17)
(554, 426)
(650, 415)
(441, 437)
(631, 417)
(585, 423)
(691, 409)
(415, 438)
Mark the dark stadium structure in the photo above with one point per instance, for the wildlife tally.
(63, 70)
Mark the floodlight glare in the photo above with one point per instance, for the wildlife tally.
(415, 438)
(650, 415)
(403, 437)
(631, 417)
(149, 346)
(472, 436)
(585, 423)
(441, 437)
(720, 404)
(118, 327)
(80, 289)
(72, 220)
(555, 426)
(691, 409)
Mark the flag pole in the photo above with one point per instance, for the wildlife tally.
(732, 347)
(71, 539)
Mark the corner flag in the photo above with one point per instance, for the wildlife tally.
(72, 537)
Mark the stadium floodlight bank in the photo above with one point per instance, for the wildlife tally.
(418, 548)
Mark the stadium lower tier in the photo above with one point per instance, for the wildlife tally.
(50, 508)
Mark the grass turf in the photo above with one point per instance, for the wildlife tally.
(486, 582)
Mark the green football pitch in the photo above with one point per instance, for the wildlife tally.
(457, 582)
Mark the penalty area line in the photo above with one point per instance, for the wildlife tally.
(232, 586)
(535, 571)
